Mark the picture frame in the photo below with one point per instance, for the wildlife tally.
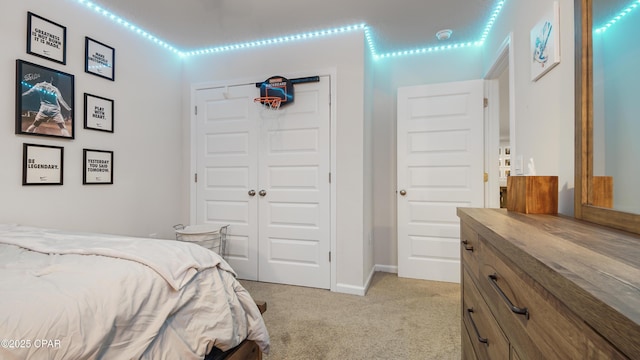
(46, 39)
(42, 164)
(545, 43)
(98, 167)
(99, 59)
(98, 113)
(44, 101)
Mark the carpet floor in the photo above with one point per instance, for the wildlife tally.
(398, 318)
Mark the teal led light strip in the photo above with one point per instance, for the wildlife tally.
(297, 37)
(485, 33)
(492, 20)
(617, 18)
(278, 40)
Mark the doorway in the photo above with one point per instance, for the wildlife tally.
(500, 146)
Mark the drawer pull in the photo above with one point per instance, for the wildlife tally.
(493, 279)
(467, 246)
(473, 323)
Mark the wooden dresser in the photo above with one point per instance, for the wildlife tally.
(547, 286)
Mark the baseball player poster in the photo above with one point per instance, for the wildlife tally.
(44, 101)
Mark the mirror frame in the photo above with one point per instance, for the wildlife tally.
(584, 130)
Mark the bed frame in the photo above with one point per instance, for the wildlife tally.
(247, 350)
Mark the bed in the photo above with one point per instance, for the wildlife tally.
(71, 295)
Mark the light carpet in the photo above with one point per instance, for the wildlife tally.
(398, 318)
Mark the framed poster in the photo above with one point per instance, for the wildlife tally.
(98, 167)
(545, 43)
(99, 59)
(98, 113)
(46, 39)
(44, 101)
(42, 164)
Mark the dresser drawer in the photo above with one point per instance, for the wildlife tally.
(467, 348)
(485, 334)
(535, 322)
(470, 249)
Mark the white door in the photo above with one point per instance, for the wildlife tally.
(440, 167)
(282, 233)
(227, 168)
(294, 175)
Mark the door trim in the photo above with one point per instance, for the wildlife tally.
(189, 177)
(505, 59)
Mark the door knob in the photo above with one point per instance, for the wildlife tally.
(262, 192)
(403, 192)
(252, 192)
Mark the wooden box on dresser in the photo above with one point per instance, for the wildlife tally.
(547, 287)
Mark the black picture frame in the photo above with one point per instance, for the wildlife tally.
(46, 39)
(98, 113)
(98, 167)
(99, 59)
(44, 101)
(42, 164)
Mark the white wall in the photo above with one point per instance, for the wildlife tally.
(544, 110)
(390, 74)
(144, 198)
(345, 54)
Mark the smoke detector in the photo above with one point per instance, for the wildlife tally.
(444, 34)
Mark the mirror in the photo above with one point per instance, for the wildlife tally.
(607, 124)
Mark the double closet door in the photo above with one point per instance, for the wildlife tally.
(266, 174)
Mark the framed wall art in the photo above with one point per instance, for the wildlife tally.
(98, 167)
(42, 164)
(545, 43)
(99, 59)
(46, 39)
(44, 101)
(98, 113)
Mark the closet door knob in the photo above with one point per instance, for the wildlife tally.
(403, 192)
(262, 192)
(252, 192)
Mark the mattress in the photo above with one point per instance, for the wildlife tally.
(70, 295)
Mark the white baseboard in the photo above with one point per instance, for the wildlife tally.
(362, 290)
(350, 289)
(387, 268)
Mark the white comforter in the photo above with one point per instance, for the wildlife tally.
(70, 295)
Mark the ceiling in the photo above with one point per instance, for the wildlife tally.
(395, 25)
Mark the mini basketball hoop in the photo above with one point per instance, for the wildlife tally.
(269, 102)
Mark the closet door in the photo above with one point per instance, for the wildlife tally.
(266, 173)
(294, 206)
(227, 168)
